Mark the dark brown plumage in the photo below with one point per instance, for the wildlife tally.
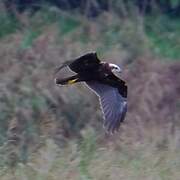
(99, 77)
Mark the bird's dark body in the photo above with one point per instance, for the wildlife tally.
(100, 78)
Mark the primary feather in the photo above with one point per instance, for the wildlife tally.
(114, 106)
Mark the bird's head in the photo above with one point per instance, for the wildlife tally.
(114, 68)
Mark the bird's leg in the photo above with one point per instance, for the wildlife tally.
(69, 80)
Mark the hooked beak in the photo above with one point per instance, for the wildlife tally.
(115, 68)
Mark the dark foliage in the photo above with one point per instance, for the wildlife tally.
(94, 8)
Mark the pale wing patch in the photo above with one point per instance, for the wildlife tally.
(113, 105)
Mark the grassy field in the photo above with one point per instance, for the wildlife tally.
(88, 160)
(52, 133)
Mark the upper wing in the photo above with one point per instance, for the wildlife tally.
(114, 106)
(86, 62)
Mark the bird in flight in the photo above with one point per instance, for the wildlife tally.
(100, 78)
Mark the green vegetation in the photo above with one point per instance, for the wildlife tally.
(163, 33)
(8, 24)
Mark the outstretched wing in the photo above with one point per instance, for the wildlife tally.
(86, 62)
(114, 106)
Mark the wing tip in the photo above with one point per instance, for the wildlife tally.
(113, 127)
(111, 131)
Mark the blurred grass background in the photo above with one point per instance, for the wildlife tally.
(48, 132)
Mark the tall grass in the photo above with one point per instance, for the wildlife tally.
(87, 150)
(103, 162)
